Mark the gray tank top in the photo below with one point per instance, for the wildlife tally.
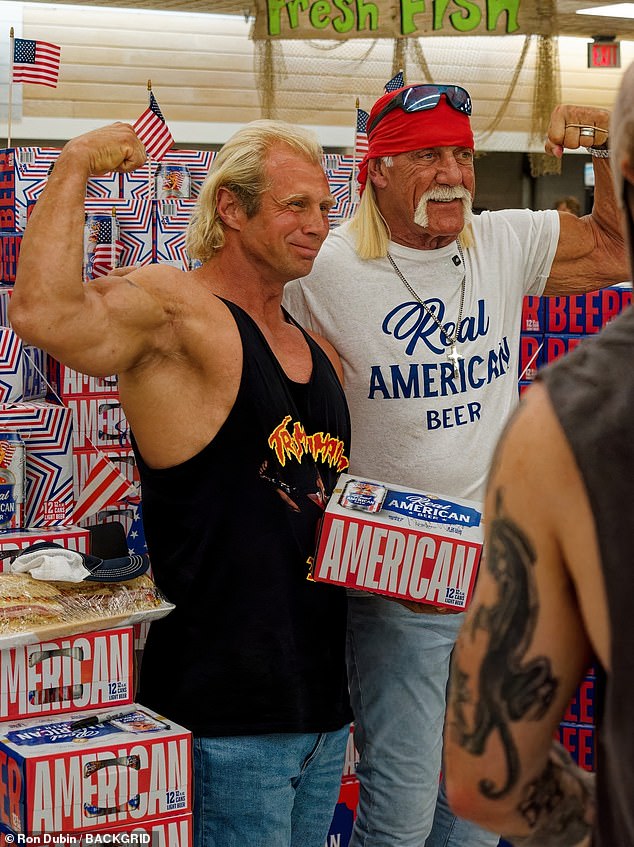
(592, 391)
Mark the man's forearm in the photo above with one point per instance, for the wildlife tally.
(559, 806)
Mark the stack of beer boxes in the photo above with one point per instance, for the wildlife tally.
(126, 769)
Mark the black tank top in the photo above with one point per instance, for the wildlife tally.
(252, 646)
(592, 390)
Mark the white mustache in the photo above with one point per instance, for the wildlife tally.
(443, 193)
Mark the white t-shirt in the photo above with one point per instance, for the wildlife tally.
(413, 422)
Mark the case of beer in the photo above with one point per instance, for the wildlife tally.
(65, 675)
(386, 539)
(93, 772)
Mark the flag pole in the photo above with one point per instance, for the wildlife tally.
(11, 59)
(113, 240)
(353, 193)
(149, 160)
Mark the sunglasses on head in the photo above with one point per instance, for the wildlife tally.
(420, 98)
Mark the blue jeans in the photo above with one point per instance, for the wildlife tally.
(398, 664)
(276, 790)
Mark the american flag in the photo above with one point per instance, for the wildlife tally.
(361, 137)
(104, 245)
(136, 534)
(36, 61)
(104, 486)
(394, 83)
(153, 131)
(105, 258)
(7, 449)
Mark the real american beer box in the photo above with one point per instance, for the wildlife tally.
(386, 539)
(67, 674)
(132, 767)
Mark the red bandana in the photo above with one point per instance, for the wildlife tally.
(401, 132)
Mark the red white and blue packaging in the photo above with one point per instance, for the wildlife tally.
(531, 356)
(98, 421)
(134, 227)
(66, 382)
(127, 766)
(533, 314)
(171, 222)
(585, 314)
(10, 243)
(68, 674)
(46, 430)
(418, 546)
(142, 183)
(71, 537)
(557, 345)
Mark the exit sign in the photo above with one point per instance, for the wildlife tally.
(604, 54)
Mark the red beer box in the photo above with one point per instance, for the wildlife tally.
(386, 539)
(46, 430)
(122, 459)
(9, 253)
(585, 314)
(66, 382)
(556, 346)
(130, 767)
(98, 422)
(533, 314)
(70, 537)
(531, 356)
(67, 674)
(176, 831)
(580, 710)
(578, 739)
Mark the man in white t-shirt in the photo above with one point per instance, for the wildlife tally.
(423, 302)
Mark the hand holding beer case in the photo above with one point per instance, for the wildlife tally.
(412, 545)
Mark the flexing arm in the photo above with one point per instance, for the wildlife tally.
(102, 327)
(591, 252)
(525, 644)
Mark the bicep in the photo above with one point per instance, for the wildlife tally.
(587, 258)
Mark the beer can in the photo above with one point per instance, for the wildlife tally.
(100, 230)
(173, 181)
(365, 496)
(12, 481)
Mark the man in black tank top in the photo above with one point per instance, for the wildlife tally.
(556, 593)
(240, 429)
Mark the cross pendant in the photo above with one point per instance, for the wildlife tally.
(454, 356)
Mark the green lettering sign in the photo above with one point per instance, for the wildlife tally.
(497, 7)
(319, 14)
(462, 22)
(346, 22)
(409, 8)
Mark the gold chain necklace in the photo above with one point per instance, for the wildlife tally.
(453, 355)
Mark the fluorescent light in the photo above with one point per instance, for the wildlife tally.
(616, 10)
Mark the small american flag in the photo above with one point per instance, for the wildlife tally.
(105, 258)
(104, 486)
(394, 83)
(361, 138)
(153, 131)
(36, 61)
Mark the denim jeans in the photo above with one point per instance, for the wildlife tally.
(398, 664)
(276, 790)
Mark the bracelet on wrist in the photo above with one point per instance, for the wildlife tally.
(601, 151)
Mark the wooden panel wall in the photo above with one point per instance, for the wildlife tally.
(204, 71)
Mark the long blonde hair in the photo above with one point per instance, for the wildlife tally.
(241, 167)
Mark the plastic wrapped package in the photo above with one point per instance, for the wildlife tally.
(34, 610)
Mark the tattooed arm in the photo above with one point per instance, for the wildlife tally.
(537, 615)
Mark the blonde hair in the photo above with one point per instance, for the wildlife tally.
(240, 166)
(370, 230)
